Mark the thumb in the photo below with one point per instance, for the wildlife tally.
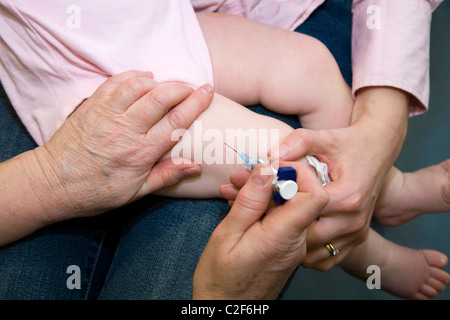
(168, 173)
(251, 202)
(299, 143)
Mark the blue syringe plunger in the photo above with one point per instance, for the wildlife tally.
(284, 182)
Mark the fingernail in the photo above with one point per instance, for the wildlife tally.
(191, 172)
(279, 152)
(260, 179)
(207, 88)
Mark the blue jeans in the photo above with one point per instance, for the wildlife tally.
(146, 250)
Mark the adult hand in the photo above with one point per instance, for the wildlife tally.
(106, 154)
(358, 159)
(254, 250)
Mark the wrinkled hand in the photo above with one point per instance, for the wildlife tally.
(252, 253)
(106, 153)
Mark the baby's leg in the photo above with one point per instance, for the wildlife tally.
(285, 71)
(255, 63)
(223, 122)
(408, 195)
(405, 272)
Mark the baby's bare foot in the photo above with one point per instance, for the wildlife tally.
(405, 272)
(414, 274)
(408, 195)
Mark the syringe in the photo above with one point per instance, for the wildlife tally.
(284, 183)
(249, 162)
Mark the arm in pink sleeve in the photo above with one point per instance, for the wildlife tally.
(390, 46)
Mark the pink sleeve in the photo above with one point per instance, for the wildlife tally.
(390, 47)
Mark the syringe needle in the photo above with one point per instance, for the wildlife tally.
(231, 148)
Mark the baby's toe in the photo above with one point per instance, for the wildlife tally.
(435, 258)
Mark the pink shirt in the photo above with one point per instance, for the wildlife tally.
(54, 54)
(390, 38)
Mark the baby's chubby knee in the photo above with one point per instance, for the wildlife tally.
(327, 100)
(314, 51)
(318, 62)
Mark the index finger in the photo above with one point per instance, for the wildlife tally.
(149, 109)
(180, 117)
(108, 87)
(299, 143)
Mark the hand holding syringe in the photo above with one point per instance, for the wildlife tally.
(284, 182)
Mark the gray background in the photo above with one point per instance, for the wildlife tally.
(427, 143)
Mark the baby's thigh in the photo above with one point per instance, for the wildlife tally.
(287, 72)
(224, 122)
(246, 53)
